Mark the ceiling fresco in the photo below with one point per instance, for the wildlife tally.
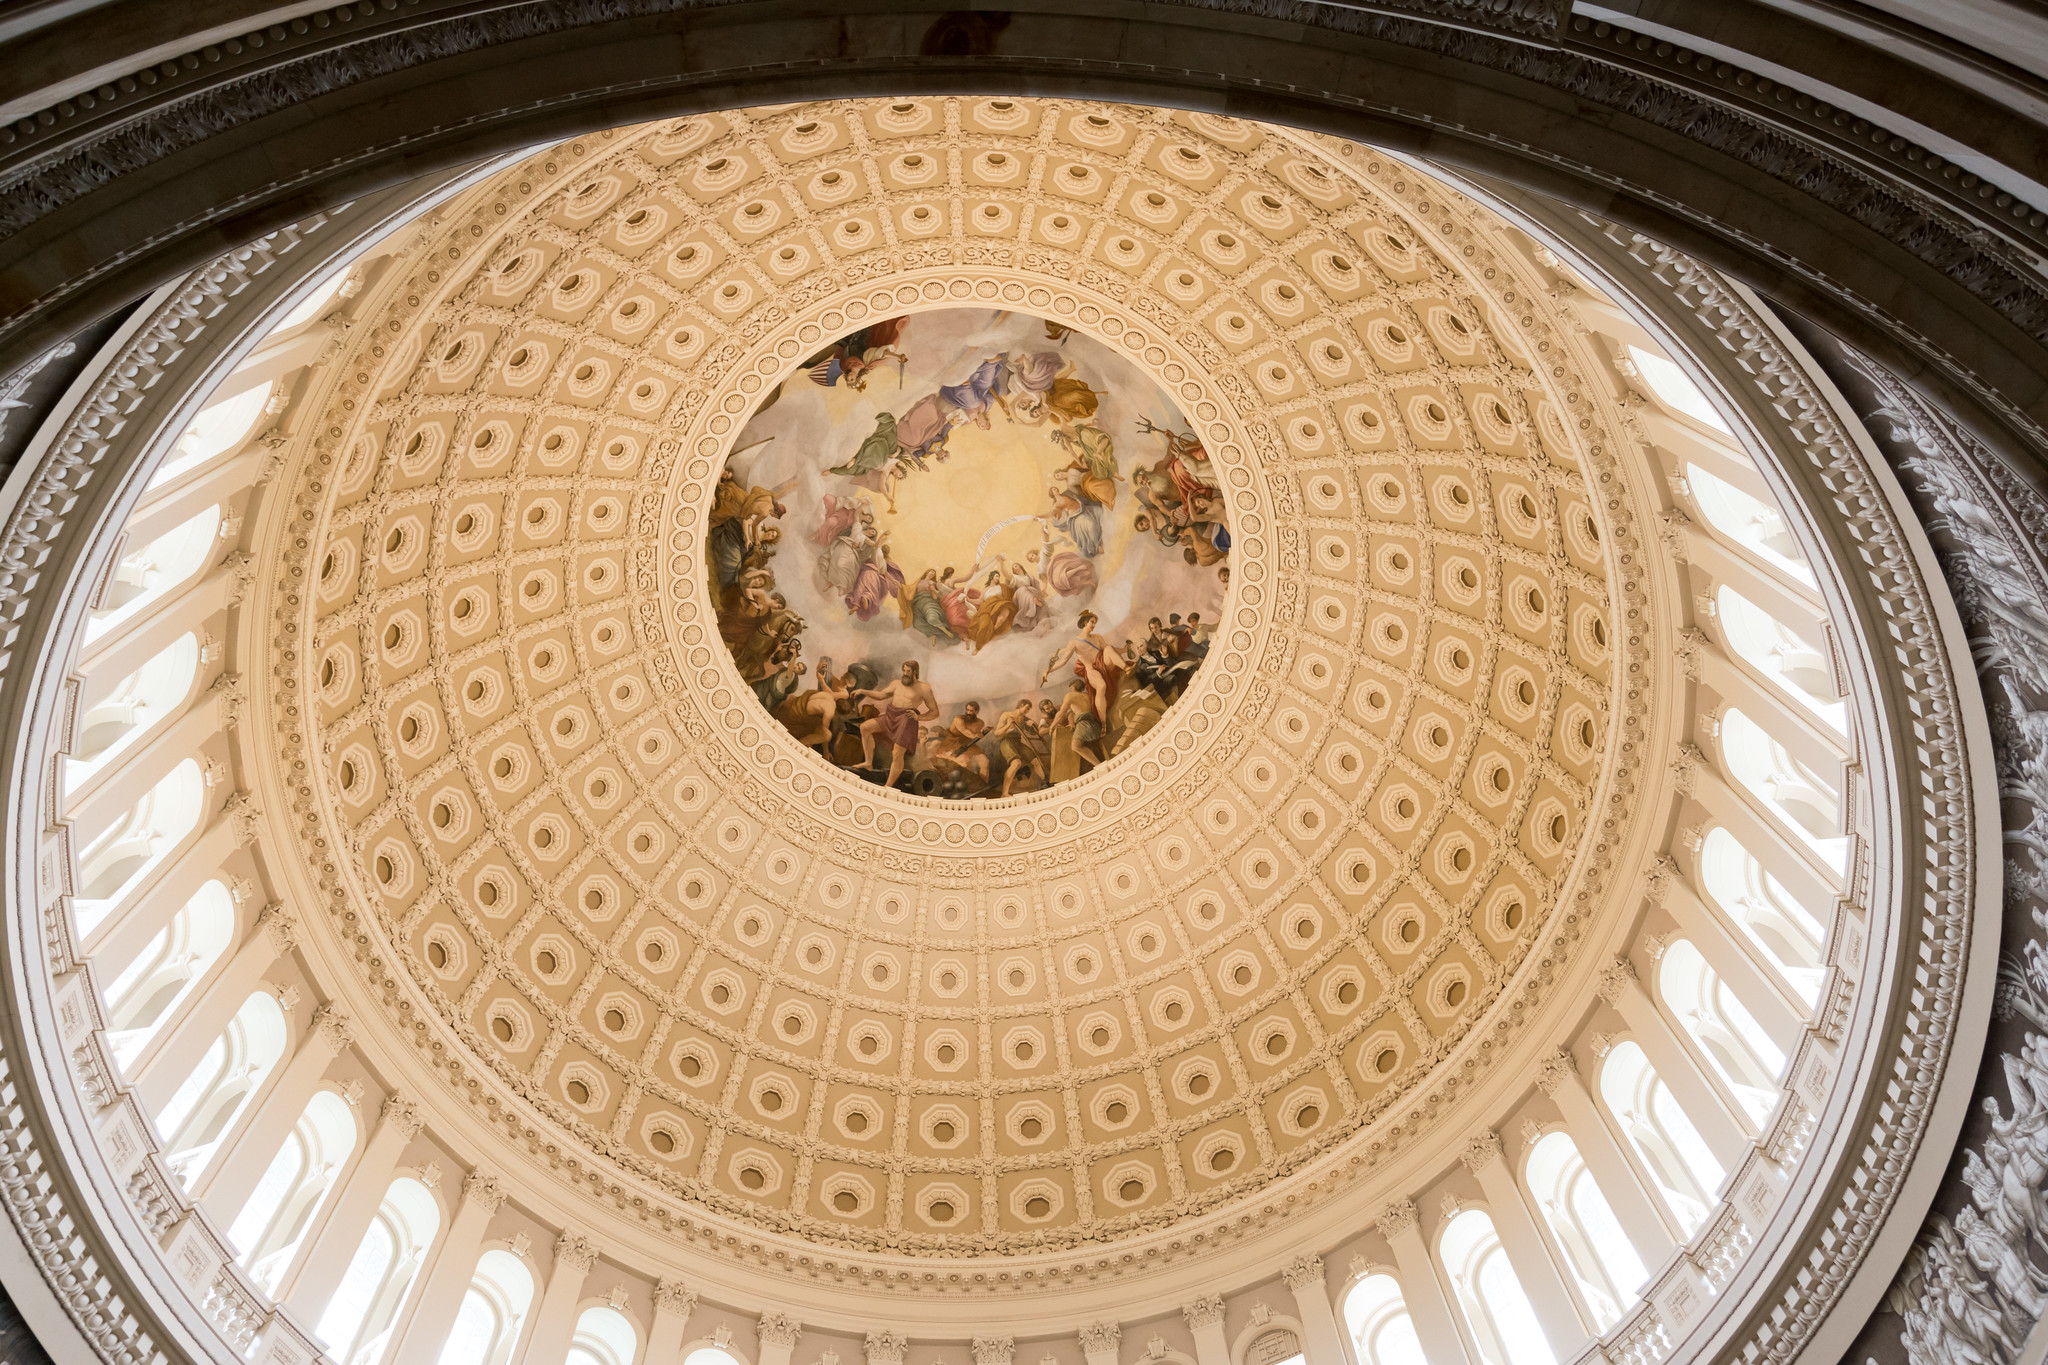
(968, 553)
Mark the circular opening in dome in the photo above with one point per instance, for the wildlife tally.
(1386, 1061)
(1347, 993)
(1025, 1051)
(501, 1029)
(1455, 993)
(1117, 1111)
(1174, 1010)
(1222, 1159)
(545, 961)
(1037, 1206)
(940, 1211)
(614, 1020)
(1276, 1044)
(1306, 1116)
(1525, 691)
(1411, 930)
(1198, 1084)
(771, 1100)
(846, 1201)
(869, 1045)
(1242, 975)
(578, 1092)
(1131, 1191)
(942, 1131)
(690, 1067)
(856, 1122)
(721, 994)
(437, 954)
(752, 1177)
(947, 1054)
(1031, 1127)
(662, 1141)
(1502, 779)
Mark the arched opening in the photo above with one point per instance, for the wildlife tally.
(1376, 1315)
(1671, 1148)
(132, 709)
(127, 848)
(1775, 650)
(359, 1317)
(267, 1232)
(1600, 1255)
(1726, 1032)
(1809, 804)
(208, 1102)
(218, 428)
(146, 575)
(149, 991)
(1750, 522)
(1737, 884)
(1496, 1308)
(493, 1309)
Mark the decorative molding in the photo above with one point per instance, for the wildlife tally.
(1100, 1339)
(1303, 1272)
(577, 1250)
(886, 1347)
(675, 1297)
(994, 1350)
(778, 1329)
(1617, 978)
(484, 1190)
(1206, 1311)
(404, 1115)
(1482, 1151)
(1397, 1218)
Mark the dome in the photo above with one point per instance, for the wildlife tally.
(918, 727)
(564, 470)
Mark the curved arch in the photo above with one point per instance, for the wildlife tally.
(206, 1105)
(1496, 1307)
(1597, 1250)
(604, 1336)
(149, 990)
(1769, 915)
(492, 1312)
(381, 1274)
(1741, 1053)
(1677, 1157)
(1376, 1314)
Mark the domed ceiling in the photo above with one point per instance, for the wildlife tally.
(573, 771)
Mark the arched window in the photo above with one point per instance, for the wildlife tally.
(149, 990)
(358, 1319)
(1672, 387)
(268, 1230)
(1608, 1269)
(1377, 1316)
(1775, 650)
(1809, 804)
(233, 1070)
(1750, 522)
(131, 844)
(492, 1311)
(218, 428)
(143, 576)
(1677, 1157)
(1787, 933)
(604, 1336)
(1490, 1293)
(116, 722)
(1729, 1034)
(316, 303)
(710, 1355)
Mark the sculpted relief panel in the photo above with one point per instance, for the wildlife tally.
(973, 551)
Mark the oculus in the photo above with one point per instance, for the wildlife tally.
(968, 553)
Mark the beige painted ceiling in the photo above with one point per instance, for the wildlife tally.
(609, 893)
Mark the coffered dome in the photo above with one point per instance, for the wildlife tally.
(1278, 926)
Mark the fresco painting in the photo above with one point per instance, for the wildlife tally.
(968, 553)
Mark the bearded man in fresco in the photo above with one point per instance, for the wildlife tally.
(907, 707)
